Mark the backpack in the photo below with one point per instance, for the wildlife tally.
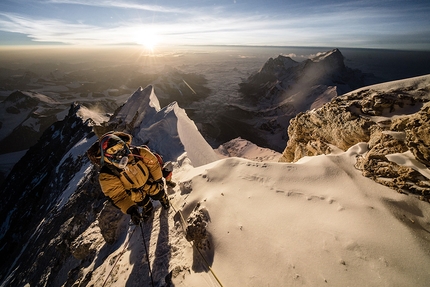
(166, 168)
(94, 155)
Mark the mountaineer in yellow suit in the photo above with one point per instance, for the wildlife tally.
(129, 176)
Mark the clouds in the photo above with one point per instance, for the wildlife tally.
(53, 30)
(119, 4)
(306, 23)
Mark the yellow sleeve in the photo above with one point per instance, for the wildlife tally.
(113, 188)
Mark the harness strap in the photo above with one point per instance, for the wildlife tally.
(127, 177)
(141, 169)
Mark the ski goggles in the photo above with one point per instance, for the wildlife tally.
(117, 152)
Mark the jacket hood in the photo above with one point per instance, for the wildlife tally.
(94, 153)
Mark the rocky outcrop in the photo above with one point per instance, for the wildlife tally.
(312, 133)
(417, 132)
(42, 214)
(108, 222)
(197, 232)
(392, 118)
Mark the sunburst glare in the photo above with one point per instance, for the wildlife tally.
(149, 39)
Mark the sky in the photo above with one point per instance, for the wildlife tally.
(391, 24)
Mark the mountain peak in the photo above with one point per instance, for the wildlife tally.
(167, 130)
(29, 98)
(277, 65)
(284, 87)
(334, 54)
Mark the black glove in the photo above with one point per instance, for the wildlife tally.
(161, 196)
(160, 184)
(136, 217)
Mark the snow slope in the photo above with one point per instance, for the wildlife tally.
(317, 222)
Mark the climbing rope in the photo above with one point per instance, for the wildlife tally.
(206, 263)
(119, 256)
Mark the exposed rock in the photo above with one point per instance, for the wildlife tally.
(392, 121)
(196, 230)
(34, 195)
(311, 133)
(417, 129)
(86, 243)
(108, 222)
(197, 233)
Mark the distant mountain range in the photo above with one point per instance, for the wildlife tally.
(283, 88)
(26, 114)
(268, 99)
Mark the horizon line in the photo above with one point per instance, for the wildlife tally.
(161, 47)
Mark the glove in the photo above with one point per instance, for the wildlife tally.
(162, 197)
(136, 217)
(160, 184)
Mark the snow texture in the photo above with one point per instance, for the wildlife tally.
(317, 222)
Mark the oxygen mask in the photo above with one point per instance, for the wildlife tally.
(118, 155)
(123, 162)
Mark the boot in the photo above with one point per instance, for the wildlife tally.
(170, 183)
(164, 200)
(147, 211)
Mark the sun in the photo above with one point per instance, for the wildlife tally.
(148, 39)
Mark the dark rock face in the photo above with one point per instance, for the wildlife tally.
(42, 214)
(17, 100)
(283, 88)
(54, 210)
(109, 219)
(391, 121)
(283, 76)
(197, 233)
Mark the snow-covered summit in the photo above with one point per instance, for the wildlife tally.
(335, 54)
(168, 131)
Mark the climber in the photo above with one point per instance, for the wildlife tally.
(129, 176)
